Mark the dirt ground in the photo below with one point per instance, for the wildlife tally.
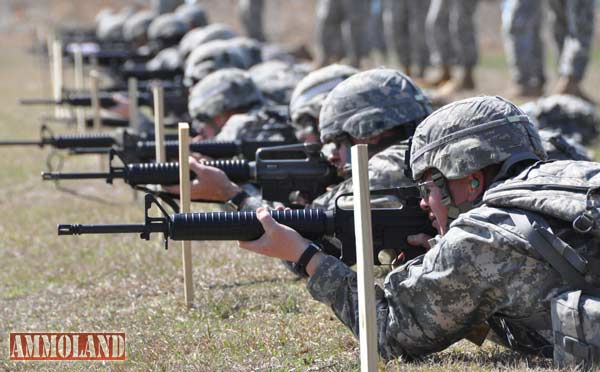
(249, 314)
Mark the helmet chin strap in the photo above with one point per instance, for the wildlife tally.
(453, 210)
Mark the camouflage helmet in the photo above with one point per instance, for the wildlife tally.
(309, 94)
(468, 135)
(193, 15)
(371, 102)
(223, 91)
(167, 28)
(570, 115)
(110, 27)
(210, 57)
(136, 27)
(277, 79)
(199, 36)
(166, 59)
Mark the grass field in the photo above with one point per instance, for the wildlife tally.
(249, 314)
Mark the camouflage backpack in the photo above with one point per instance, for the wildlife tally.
(568, 191)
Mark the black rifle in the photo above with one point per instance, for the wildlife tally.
(47, 138)
(110, 122)
(278, 171)
(174, 101)
(391, 226)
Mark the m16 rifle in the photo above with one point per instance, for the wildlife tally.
(391, 226)
(278, 171)
(174, 101)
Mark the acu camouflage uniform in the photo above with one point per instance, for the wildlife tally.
(404, 26)
(251, 15)
(340, 30)
(573, 29)
(451, 33)
(482, 269)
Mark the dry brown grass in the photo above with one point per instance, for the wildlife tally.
(249, 313)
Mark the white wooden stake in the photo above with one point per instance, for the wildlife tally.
(79, 111)
(159, 125)
(134, 119)
(184, 206)
(367, 316)
(95, 101)
(57, 76)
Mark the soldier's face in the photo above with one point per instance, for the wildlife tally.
(431, 202)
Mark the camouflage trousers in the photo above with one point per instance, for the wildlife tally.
(573, 28)
(251, 14)
(451, 32)
(164, 6)
(404, 25)
(340, 30)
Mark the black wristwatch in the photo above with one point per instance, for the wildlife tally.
(300, 266)
(237, 200)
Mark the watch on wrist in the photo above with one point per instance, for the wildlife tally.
(299, 267)
(237, 200)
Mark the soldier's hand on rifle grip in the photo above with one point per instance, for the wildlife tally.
(278, 241)
(121, 108)
(210, 184)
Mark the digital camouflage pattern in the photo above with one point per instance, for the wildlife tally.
(136, 27)
(341, 29)
(573, 29)
(193, 15)
(572, 116)
(468, 135)
(310, 92)
(451, 34)
(251, 15)
(404, 28)
(277, 79)
(166, 27)
(222, 91)
(210, 57)
(199, 36)
(110, 25)
(386, 170)
(371, 102)
(167, 59)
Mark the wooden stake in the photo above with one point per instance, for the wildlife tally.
(159, 125)
(57, 76)
(134, 119)
(79, 111)
(367, 315)
(94, 77)
(184, 201)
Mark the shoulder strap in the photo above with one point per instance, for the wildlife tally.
(564, 259)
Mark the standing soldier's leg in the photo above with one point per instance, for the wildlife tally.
(354, 29)
(397, 35)
(419, 50)
(578, 22)
(521, 26)
(464, 38)
(251, 14)
(329, 34)
(438, 39)
(375, 33)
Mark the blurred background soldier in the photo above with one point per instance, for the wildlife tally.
(164, 6)
(451, 39)
(251, 15)
(573, 28)
(340, 30)
(404, 26)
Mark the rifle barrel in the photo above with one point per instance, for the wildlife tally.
(20, 143)
(38, 101)
(78, 229)
(47, 176)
